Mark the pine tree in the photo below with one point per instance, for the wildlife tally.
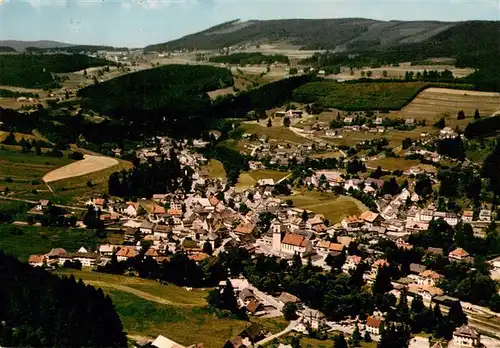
(227, 298)
(477, 116)
(269, 123)
(356, 337)
(339, 341)
(437, 313)
(382, 282)
(456, 315)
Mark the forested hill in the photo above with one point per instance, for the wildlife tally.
(310, 34)
(39, 309)
(165, 95)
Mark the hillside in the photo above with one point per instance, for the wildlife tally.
(164, 94)
(20, 46)
(33, 71)
(337, 34)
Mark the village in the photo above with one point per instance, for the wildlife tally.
(208, 220)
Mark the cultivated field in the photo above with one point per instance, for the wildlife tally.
(215, 169)
(392, 163)
(28, 240)
(334, 208)
(22, 172)
(88, 165)
(77, 190)
(276, 132)
(249, 179)
(434, 103)
(399, 71)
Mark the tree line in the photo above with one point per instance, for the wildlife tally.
(42, 309)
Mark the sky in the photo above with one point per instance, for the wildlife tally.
(136, 23)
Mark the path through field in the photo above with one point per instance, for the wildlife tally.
(88, 165)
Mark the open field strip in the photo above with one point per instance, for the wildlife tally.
(88, 165)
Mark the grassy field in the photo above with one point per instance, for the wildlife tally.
(331, 154)
(334, 208)
(148, 308)
(359, 96)
(215, 169)
(395, 137)
(306, 341)
(249, 179)
(76, 190)
(391, 163)
(22, 172)
(277, 132)
(434, 103)
(39, 240)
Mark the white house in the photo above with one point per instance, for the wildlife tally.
(351, 263)
(466, 336)
(374, 325)
(428, 278)
(467, 216)
(314, 318)
(131, 209)
(485, 215)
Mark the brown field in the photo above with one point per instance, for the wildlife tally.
(88, 165)
(395, 137)
(399, 72)
(391, 163)
(434, 103)
(20, 136)
(276, 132)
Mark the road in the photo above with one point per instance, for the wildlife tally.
(36, 202)
(288, 329)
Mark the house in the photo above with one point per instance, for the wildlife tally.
(131, 209)
(86, 259)
(244, 231)
(314, 318)
(157, 213)
(43, 204)
(126, 253)
(37, 260)
(466, 336)
(107, 249)
(467, 216)
(53, 256)
(146, 227)
(237, 342)
(450, 218)
(246, 295)
(255, 165)
(285, 298)
(348, 120)
(370, 218)
(162, 231)
(426, 292)
(458, 254)
(447, 132)
(351, 222)
(378, 264)
(416, 268)
(374, 325)
(254, 306)
(429, 278)
(435, 251)
(402, 243)
(328, 247)
(351, 263)
(378, 121)
(485, 215)
(163, 342)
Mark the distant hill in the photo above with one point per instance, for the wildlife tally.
(4, 49)
(340, 34)
(21, 46)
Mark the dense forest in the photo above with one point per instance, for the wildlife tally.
(159, 99)
(245, 58)
(37, 71)
(268, 96)
(6, 49)
(358, 96)
(41, 309)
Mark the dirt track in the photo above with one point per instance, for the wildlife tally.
(88, 165)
